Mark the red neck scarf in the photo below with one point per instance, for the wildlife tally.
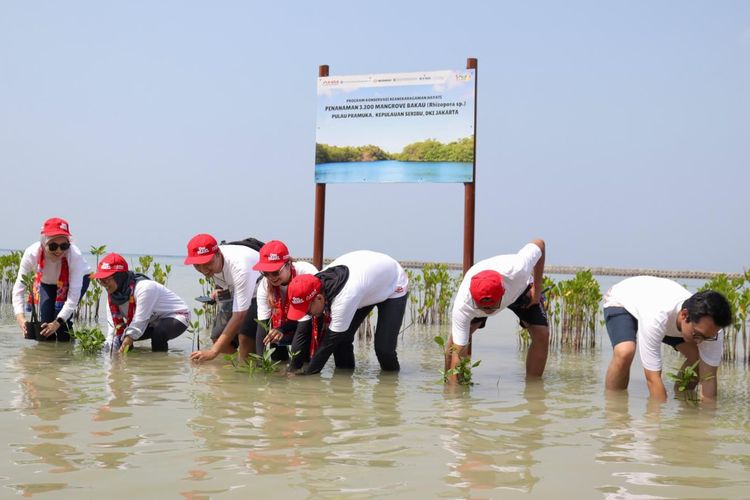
(117, 319)
(317, 336)
(63, 281)
(279, 306)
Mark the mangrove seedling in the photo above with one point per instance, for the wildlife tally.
(88, 339)
(265, 362)
(247, 367)
(462, 371)
(686, 380)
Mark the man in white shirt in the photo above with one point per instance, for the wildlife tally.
(341, 296)
(231, 267)
(644, 312)
(489, 286)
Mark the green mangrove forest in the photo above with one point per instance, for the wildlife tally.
(429, 150)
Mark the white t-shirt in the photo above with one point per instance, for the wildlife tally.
(373, 278)
(238, 275)
(153, 301)
(517, 271)
(77, 268)
(655, 303)
(264, 307)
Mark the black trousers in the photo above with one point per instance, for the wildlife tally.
(161, 332)
(47, 312)
(341, 344)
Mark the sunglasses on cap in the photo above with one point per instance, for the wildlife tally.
(54, 246)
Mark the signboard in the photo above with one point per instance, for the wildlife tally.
(397, 127)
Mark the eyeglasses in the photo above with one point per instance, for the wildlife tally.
(698, 337)
(54, 246)
(272, 274)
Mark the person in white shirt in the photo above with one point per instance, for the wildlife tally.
(62, 278)
(489, 286)
(231, 267)
(341, 296)
(644, 312)
(139, 309)
(278, 268)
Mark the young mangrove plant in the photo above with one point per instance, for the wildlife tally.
(686, 381)
(572, 308)
(462, 370)
(88, 309)
(89, 340)
(737, 292)
(431, 293)
(9, 265)
(33, 326)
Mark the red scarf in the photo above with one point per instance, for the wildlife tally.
(280, 307)
(317, 336)
(63, 281)
(117, 319)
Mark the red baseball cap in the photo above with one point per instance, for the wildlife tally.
(273, 256)
(300, 292)
(201, 249)
(487, 288)
(56, 227)
(111, 263)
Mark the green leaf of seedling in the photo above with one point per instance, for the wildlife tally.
(476, 364)
(439, 341)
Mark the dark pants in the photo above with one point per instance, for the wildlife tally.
(48, 313)
(341, 344)
(224, 314)
(161, 332)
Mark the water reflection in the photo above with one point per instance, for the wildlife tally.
(486, 456)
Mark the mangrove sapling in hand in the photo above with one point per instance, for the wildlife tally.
(462, 371)
(686, 380)
(33, 327)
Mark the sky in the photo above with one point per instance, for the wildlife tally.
(619, 132)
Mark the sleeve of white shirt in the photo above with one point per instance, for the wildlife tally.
(529, 255)
(146, 296)
(28, 263)
(244, 285)
(78, 268)
(264, 308)
(110, 323)
(650, 335)
(711, 352)
(460, 323)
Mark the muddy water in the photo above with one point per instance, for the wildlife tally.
(153, 425)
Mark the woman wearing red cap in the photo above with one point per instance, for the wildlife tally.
(62, 277)
(489, 286)
(278, 269)
(139, 309)
(341, 296)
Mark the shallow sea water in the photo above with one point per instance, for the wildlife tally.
(153, 425)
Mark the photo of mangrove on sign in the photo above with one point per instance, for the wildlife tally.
(405, 127)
